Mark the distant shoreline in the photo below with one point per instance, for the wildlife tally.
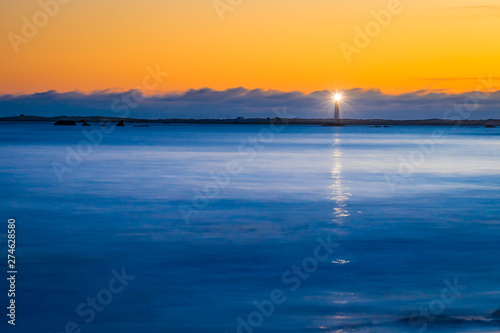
(255, 121)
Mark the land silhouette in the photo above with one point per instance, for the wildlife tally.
(490, 123)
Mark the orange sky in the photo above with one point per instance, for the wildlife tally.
(269, 44)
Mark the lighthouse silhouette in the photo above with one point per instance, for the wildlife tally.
(336, 115)
(337, 120)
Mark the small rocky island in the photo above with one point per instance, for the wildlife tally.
(65, 123)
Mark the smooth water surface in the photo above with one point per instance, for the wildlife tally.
(210, 219)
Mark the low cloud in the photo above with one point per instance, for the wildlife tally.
(232, 103)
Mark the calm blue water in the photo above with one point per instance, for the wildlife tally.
(411, 217)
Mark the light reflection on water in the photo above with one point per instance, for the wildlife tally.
(340, 194)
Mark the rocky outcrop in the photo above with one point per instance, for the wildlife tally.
(65, 123)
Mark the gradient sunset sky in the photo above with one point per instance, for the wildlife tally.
(285, 45)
